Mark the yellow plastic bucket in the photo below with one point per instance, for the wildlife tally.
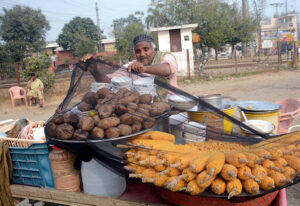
(272, 117)
(198, 117)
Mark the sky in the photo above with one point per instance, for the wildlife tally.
(60, 12)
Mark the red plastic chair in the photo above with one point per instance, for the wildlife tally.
(17, 93)
(290, 110)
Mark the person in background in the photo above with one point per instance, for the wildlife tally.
(149, 61)
(35, 87)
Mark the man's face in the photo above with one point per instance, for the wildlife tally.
(144, 52)
(33, 78)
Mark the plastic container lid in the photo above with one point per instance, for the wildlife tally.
(258, 106)
(144, 81)
(121, 81)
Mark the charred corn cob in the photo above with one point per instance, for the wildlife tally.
(250, 186)
(275, 153)
(253, 159)
(183, 161)
(289, 173)
(268, 164)
(188, 175)
(262, 153)
(259, 172)
(175, 183)
(229, 172)
(215, 163)
(237, 159)
(244, 173)
(218, 186)
(233, 187)
(280, 163)
(267, 183)
(198, 164)
(193, 188)
(294, 162)
(204, 179)
(279, 178)
(171, 172)
(160, 180)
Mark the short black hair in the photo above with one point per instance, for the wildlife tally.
(32, 74)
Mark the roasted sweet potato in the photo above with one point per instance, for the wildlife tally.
(86, 123)
(71, 118)
(126, 119)
(101, 93)
(105, 110)
(120, 109)
(112, 132)
(90, 98)
(83, 106)
(148, 123)
(129, 99)
(145, 106)
(159, 108)
(124, 129)
(98, 132)
(64, 131)
(132, 106)
(80, 134)
(51, 129)
(136, 127)
(145, 99)
(109, 122)
(58, 119)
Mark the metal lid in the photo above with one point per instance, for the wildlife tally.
(258, 106)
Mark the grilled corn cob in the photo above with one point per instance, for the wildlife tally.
(218, 186)
(237, 159)
(267, 183)
(229, 172)
(294, 162)
(250, 186)
(259, 172)
(193, 188)
(244, 173)
(233, 187)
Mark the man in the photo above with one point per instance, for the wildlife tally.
(148, 61)
(35, 87)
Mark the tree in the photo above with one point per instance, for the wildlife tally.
(39, 65)
(80, 36)
(23, 30)
(125, 29)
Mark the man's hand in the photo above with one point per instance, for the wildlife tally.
(137, 67)
(41, 89)
(88, 57)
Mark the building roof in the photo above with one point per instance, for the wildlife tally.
(51, 45)
(108, 41)
(185, 26)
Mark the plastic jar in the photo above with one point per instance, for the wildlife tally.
(66, 177)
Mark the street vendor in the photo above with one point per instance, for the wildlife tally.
(35, 87)
(148, 61)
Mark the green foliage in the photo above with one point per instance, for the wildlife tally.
(5, 54)
(125, 29)
(24, 30)
(80, 36)
(39, 64)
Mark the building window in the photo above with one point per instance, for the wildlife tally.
(175, 40)
(186, 37)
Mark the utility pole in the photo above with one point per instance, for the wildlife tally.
(276, 5)
(245, 14)
(98, 28)
(286, 7)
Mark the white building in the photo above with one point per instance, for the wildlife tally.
(179, 41)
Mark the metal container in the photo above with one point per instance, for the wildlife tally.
(214, 99)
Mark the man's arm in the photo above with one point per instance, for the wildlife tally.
(156, 69)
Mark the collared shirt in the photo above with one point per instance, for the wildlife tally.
(36, 84)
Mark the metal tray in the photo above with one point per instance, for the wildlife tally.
(258, 106)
